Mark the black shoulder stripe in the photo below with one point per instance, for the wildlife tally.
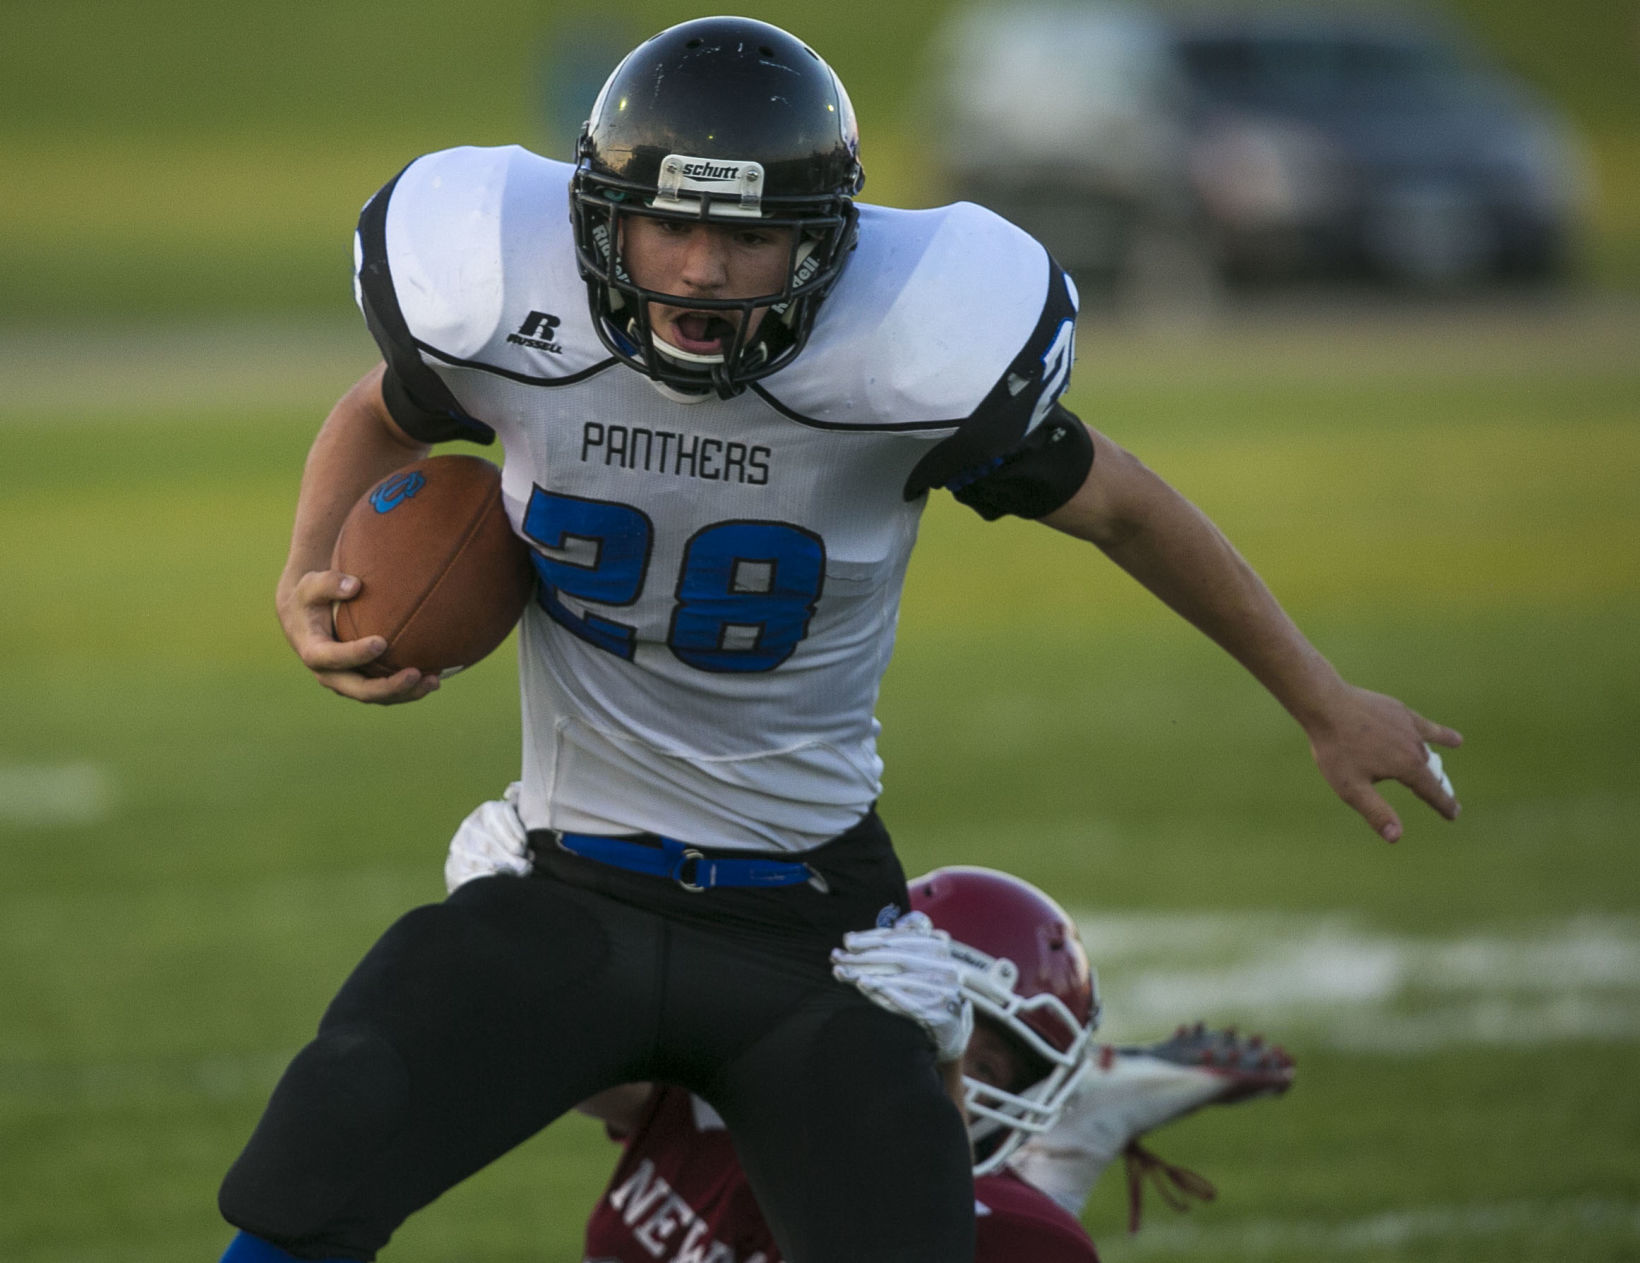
(892, 427)
(417, 397)
(527, 379)
(1026, 390)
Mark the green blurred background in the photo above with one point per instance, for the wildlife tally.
(199, 842)
(174, 156)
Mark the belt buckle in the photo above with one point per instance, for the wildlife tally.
(688, 853)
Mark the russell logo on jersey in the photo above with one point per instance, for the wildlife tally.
(537, 331)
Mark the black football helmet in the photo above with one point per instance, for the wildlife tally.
(723, 119)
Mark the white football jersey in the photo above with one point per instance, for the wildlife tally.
(719, 580)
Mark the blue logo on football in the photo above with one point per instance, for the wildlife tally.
(395, 491)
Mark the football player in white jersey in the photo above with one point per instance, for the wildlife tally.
(720, 463)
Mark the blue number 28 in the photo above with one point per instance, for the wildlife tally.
(746, 590)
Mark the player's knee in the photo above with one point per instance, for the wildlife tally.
(885, 1065)
(898, 1157)
(340, 1102)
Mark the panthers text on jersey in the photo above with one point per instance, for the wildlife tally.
(719, 579)
(679, 1195)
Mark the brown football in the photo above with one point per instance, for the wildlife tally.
(441, 574)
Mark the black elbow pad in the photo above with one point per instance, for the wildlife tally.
(1036, 477)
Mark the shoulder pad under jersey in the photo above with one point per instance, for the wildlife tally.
(926, 320)
(454, 226)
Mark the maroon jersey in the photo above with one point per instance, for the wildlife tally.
(678, 1194)
(1015, 1221)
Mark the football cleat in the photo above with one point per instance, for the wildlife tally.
(1194, 1067)
(1126, 1092)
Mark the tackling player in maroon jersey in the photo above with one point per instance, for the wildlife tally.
(995, 972)
(1037, 1101)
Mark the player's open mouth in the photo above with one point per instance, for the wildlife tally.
(701, 333)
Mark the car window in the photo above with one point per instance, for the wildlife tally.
(1288, 69)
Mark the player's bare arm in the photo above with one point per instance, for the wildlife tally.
(358, 444)
(1357, 737)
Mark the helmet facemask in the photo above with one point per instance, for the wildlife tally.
(1041, 1025)
(821, 237)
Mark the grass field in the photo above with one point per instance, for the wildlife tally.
(199, 842)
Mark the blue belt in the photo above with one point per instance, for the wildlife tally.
(684, 864)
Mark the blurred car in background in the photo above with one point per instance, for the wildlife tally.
(1374, 143)
(1259, 145)
(1072, 121)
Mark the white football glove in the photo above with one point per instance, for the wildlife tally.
(908, 969)
(490, 840)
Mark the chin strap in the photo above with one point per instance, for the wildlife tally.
(1175, 1185)
(713, 371)
(688, 359)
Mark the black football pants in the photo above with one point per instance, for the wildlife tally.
(473, 1023)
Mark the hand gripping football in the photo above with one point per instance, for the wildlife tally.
(442, 576)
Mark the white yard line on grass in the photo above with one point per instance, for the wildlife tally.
(1329, 979)
(1513, 1222)
(33, 795)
